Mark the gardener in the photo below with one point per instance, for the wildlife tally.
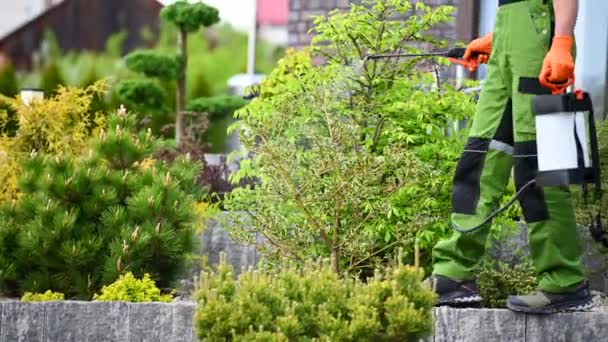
(531, 53)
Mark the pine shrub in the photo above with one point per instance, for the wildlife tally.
(130, 289)
(313, 303)
(82, 222)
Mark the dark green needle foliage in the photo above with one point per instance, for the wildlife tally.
(82, 222)
(153, 64)
(190, 16)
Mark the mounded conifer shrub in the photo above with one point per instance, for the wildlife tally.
(81, 222)
(313, 303)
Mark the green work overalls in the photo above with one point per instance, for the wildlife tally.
(503, 136)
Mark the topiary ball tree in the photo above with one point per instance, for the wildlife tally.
(187, 18)
(155, 65)
(143, 94)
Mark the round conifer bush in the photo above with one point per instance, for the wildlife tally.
(82, 222)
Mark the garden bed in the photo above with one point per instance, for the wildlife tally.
(121, 322)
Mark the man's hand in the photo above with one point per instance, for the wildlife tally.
(479, 50)
(558, 66)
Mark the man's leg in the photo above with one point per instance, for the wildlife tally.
(548, 211)
(481, 177)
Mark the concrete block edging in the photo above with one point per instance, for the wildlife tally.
(67, 321)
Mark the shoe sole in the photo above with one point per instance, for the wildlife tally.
(585, 305)
(462, 302)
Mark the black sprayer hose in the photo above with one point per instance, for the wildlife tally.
(496, 212)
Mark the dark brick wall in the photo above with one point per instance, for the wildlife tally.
(301, 11)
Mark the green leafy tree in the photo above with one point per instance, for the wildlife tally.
(313, 304)
(82, 222)
(353, 158)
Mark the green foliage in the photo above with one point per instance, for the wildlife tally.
(48, 296)
(497, 280)
(153, 64)
(217, 105)
(199, 86)
(51, 79)
(115, 43)
(52, 49)
(190, 16)
(142, 94)
(8, 81)
(127, 288)
(353, 158)
(83, 221)
(587, 208)
(313, 304)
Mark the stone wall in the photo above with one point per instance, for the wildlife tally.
(302, 11)
(71, 321)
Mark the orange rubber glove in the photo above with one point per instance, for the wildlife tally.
(479, 50)
(558, 66)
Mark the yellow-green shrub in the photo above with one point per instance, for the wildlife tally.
(313, 303)
(48, 296)
(60, 124)
(130, 289)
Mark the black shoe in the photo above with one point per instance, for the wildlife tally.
(542, 302)
(461, 294)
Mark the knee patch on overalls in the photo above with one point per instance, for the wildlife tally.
(467, 177)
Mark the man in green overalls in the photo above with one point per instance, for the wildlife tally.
(530, 53)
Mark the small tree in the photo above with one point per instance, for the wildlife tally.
(353, 159)
(188, 18)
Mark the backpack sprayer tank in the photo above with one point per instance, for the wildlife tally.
(566, 140)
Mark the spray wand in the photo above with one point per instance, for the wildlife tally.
(454, 55)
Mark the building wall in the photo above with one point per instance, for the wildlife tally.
(302, 11)
(82, 25)
(15, 13)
